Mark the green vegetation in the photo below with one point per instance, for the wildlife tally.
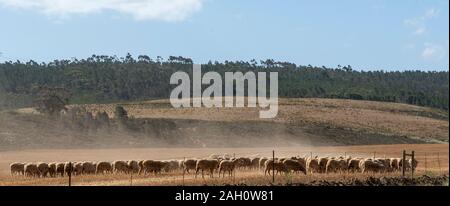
(102, 79)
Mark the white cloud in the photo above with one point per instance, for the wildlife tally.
(433, 52)
(162, 10)
(419, 23)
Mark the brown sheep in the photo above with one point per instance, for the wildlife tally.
(227, 166)
(133, 166)
(68, 168)
(386, 164)
(104, 167)
(150, 166)
(207, 164)
(369, 165)
(171, 165)
(262, 162)
(120, 167)
(89, 168)
(312, 164)
(78, 168)
(243, 162)
(43, 169)
(52, 169)
(31, 170)
(413, 164)
(332, 166)
(255, 163)
(60, 168)
(393, 162)
(322, 164)
(294, 165)
(17, 168)
(353, 165)
(189, 164)
(271, 165)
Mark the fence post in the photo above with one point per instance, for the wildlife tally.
(70, 174)
(412, 164)
(374, 155)
(273, 166)
(131, 178)
(403, 163)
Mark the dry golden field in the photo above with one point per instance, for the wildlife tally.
(436, 157)
(359, 116)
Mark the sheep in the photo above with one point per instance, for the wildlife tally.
(120, 167)
(413, 164)
(78, 168)
(262, 162)
(141, 165)
(68, 168)
(17, 168)
(103, 167)
(343, 165)
(369, 165)
(207, 164)
(271, 165)
(255, 163)
(409, 164)
(386, 163)
(332, 166)
(133, 166)
(31, 169)
(312, 164)
(149, 166)
(353, 165)
(43, 169)
(227, 166)
(243, 162)
(302, 161)
(294, 165)
(60, 168)
(189, 164)
(89, 168)
(171, 165)
(322, 164)
(52, 169)
(394, 162)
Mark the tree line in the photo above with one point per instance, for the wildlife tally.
(100, 79)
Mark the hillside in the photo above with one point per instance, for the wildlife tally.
(310, 122)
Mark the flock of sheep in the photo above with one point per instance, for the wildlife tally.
(221, 163)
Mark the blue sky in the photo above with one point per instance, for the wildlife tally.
(367, 34)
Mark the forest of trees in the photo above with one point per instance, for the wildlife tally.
(100, 79)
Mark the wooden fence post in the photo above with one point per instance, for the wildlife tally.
(412, 164)
(403, 163)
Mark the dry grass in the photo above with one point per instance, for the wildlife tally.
(365, 116)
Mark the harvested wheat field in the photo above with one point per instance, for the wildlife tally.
(433, 160)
